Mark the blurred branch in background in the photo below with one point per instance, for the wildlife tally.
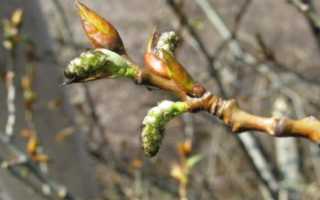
(288, 163)
(249, 142)
(183, 20)
(11, 32)
(96, 139)
(30, 166)
(181, 170)
(308, 9)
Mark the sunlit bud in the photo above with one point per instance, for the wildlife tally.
(100, 32)
(160, 61)
(156, 65)
(152, 62)
(180, 76)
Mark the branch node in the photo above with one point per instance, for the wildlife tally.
(280, 126)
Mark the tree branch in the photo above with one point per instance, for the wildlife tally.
(239, 120)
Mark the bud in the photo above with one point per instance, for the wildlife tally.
(180, 76)
(185, 148)
(100, 32)
(152, 62)
(97, 64)
(156, 65)
(154, 124)
(160, 61)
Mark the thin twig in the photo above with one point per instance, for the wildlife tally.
(238, 19)
(307, 8)
(24, 160)
(11, 94)
(34, 169)
(288, 162)
(216, 20)
(10, 104)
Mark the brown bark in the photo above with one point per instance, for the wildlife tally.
(239, 120)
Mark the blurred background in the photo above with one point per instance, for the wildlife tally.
(83, 141)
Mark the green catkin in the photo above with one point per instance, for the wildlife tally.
(99, 63)
(154, 124)
(168, 41)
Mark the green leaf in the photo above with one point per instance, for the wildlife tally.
(177, 72)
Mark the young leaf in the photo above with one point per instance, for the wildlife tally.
(177, 72)
(100, 32)
(160, 61)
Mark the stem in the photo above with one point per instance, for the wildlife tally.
(183, 191)
(239, 120)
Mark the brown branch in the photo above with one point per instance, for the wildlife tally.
(239, 120)
(234, 117)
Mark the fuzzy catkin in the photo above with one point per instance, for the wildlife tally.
(154, 124)
(99, 63)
